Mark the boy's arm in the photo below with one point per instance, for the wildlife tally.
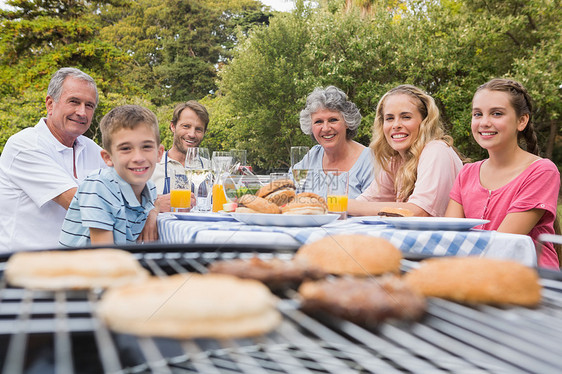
(100, 236)
(65, 198)
(150, 231)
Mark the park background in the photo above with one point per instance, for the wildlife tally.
(253, 66)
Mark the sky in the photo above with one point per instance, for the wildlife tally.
(281, 5)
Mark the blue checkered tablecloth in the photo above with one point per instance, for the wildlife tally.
(462, 243)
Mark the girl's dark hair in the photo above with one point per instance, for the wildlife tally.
(522, 103)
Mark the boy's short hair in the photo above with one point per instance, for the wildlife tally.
(127, 117)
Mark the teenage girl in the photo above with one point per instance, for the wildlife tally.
(417, 163)
(513, 188)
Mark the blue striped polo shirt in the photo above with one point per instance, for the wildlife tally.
(106, 201)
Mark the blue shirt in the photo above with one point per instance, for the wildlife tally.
(361, 173)
(105, 201)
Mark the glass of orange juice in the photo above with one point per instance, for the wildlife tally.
(180, 193)
(337, 187)
(219, 197)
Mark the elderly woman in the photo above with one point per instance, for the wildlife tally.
(332, 121)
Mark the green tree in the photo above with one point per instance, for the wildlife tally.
(178, 44)
(39, 37)
(447, 48)
(262, 88)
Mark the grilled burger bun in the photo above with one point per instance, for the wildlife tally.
(477, 280)
(395, 212)
(73, 269)
(279, 192)
(257, 204)
(191, 306)
(360, 255)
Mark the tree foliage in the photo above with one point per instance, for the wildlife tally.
(177, 44)
(254, 68)
(447, 48)
(37, 38)
(156, 52)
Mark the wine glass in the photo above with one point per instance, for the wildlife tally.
(238, 158)
(300, 166)
(197, 168)
(221, 162)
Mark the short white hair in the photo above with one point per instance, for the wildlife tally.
(331, 98)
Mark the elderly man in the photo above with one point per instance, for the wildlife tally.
(189, 125)
(41, 166)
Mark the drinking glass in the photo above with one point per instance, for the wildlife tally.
(337, 188)
(197, 167)
(180, 193)
(221, 163)
(300, 166)
(277, 176)
(238, 158)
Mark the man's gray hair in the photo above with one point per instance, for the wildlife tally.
(55, 85)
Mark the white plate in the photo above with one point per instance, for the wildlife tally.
(210, 217)
(427, 223)
(287, 220)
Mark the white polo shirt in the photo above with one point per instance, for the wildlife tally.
(35, 168)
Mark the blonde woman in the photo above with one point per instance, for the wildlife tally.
(417, 164)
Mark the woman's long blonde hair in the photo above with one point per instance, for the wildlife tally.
(431, 128)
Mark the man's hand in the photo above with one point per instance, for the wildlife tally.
(150, 231)
(163, 203)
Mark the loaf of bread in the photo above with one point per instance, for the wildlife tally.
(279, 192)
(306, 203)
(257, 204)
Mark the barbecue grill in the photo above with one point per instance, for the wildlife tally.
(58, 332)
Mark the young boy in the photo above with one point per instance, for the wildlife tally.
(111, 205)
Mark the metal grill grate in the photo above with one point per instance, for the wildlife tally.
(58, 332)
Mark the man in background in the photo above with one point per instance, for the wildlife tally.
(41, 166)
(189, 125)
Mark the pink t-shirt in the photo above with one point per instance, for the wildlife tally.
(536, 187)
(438, 167)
